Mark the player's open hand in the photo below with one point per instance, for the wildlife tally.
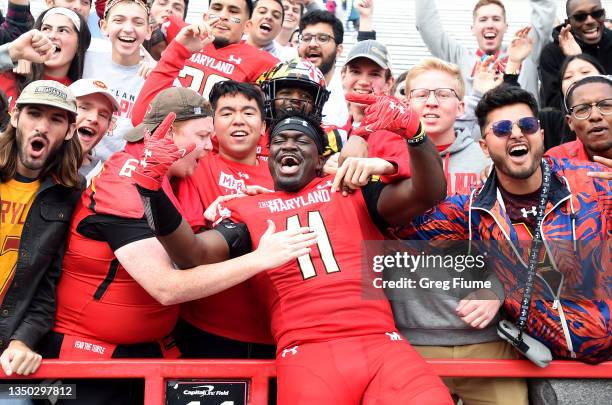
(357, 172)
(479, 308)
(386, 112)
(278, 248)
(18, 358)
(159, 154)
(195, 37)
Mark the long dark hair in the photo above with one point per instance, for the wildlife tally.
(78, 62)
(585, 57)
(63, 168)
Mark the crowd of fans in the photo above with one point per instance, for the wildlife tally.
(134, 144)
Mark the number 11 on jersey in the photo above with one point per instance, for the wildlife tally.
(315, 222)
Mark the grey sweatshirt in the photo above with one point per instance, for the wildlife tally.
(430, 319)
(5, 60)
(443, 46)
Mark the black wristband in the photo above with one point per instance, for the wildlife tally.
(419, 138)
(162, 216)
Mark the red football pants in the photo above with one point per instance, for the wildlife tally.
(374, 369)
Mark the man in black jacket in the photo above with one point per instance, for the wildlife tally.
(39, 187)
(587, 34)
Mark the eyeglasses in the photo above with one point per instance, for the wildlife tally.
(442, 94)
(583, 111)
(319, 38)
(527, 125)
(598, 15)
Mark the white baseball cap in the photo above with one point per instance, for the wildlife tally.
(85, 87)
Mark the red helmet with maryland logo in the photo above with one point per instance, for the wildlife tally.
(292, 74)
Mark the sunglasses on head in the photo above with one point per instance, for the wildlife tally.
(527, 125)
(598, 15)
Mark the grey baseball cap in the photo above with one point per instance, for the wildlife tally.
(370, 49)
(185, 103)
(48, 92)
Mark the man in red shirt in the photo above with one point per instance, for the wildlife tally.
(200, 55)
(334, 346)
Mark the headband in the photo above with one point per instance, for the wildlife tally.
(66, 12)
(301, 125)
(112, 3)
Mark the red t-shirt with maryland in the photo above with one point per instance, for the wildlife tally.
(320, 296)
(201, 70)
(96, 296)
(236, 313)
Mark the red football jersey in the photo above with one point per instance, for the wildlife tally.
(96, 297)
(235, 313)
(317, 297)
(200, 71)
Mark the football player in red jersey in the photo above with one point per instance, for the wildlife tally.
(200, 55)
(333, 345)
(115, 301)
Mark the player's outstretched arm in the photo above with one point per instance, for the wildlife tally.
(400, 202)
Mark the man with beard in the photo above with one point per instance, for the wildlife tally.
(200, 55)
(316, 303)
(321, 37)
(39, 187)
(583, 32)
(488, 26)
(577, 216)
(589, 102)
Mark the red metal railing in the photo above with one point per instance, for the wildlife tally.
(258, 372)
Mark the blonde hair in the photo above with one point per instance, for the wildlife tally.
(63, 167)
(428, 64)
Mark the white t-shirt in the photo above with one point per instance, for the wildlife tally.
(124, 83)
(335, 111)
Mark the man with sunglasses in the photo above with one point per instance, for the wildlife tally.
(586, 23)
(435, 89)
(577, 216)
(589, 102)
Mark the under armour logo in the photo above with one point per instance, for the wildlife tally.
(292, 350)
(533, 211)
(393, 336)
(147, 154)
(234, 59)
(327, 184)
